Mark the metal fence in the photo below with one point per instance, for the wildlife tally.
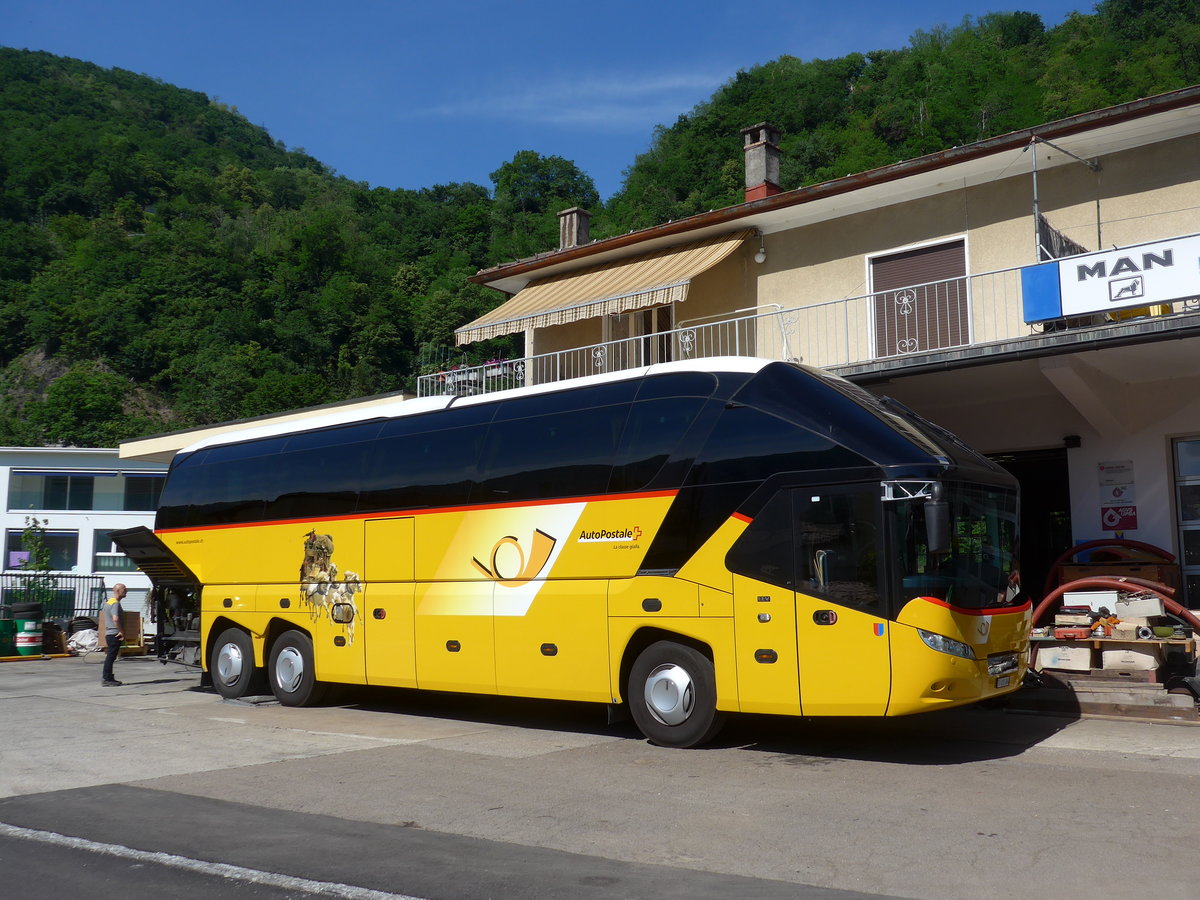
(62, 596)
(927, 318)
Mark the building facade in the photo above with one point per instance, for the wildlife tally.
(1037, 293)
(76, 497)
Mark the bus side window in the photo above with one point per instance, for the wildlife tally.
(653, 432)
(749, 445)
(318, 473)
(837, 536)
(231, 484)
(423, 470)
(563, 454)
(179, 494)
(766, 551)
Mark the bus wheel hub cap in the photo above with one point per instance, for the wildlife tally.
(670, 695)
(229, 663)
(289, 669)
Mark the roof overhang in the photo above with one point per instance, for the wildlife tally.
(1088, 135)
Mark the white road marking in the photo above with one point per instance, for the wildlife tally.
(221, 870)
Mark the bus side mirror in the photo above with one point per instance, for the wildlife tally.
(937, 527)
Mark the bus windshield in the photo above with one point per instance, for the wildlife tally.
(980, 570)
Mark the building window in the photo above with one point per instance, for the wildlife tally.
(107, 556)
(101, 491)
(1187, 497)
(639, 338)
(920, 299)
(63, 547)
(142, 491)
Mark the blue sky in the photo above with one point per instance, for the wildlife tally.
(412, 94)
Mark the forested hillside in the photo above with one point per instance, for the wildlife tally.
(165, 263)
(948, 87)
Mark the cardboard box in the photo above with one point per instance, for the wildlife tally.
(1093, 600)
(1068, 657)
(131, 628)
(1135, 621)
(1065, 619)
(1133, 658)
(1138, 606)
(1125, 630)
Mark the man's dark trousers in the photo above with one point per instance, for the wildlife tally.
(110, 656)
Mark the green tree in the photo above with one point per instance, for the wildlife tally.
(39, 586)
(530, 190)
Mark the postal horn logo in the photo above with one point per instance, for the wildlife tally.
(508, 564)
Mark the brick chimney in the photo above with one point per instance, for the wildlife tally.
(762, 160)
(573, 227)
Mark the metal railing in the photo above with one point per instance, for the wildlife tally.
(62, 596)
(958, 312)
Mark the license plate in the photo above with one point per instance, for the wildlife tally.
(1003, 682)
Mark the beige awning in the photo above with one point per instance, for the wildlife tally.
(648, 280)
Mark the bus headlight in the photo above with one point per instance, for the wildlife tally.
(943, 644)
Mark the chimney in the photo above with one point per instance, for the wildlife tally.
(762, 160)
(573, 226)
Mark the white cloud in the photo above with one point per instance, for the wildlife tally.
(611, 103)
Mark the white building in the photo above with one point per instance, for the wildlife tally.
(78, 496)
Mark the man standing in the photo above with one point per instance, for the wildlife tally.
(110, 627)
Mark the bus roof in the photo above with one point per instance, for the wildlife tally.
(399, 407)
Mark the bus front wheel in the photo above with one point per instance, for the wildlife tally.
(673, 695)
(231, 664)
(293, 676)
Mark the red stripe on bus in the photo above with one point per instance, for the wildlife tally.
(991, 611)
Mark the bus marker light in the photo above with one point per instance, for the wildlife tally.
(765, 656)
(764, 617)
(379, 613)
(652, 604)
(549, 650)
(339, 641)
(453, 646)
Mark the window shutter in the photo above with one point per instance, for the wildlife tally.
(920, 299)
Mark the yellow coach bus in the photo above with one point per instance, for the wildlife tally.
(685, 540)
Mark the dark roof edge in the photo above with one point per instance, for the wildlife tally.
(1111, 115)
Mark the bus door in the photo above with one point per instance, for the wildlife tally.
(764, 611)
(811, 637)
(385, 614)
(842, 631)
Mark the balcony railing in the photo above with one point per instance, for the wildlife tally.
(959, 312)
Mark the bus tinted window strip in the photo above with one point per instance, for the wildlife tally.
(423, 511)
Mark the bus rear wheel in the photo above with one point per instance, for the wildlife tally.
(673, 695)
(292, 672)
(231, 664)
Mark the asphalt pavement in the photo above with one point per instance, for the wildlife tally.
(158, 787)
